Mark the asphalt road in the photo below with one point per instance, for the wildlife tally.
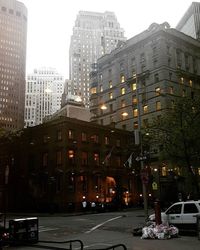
(102, 230)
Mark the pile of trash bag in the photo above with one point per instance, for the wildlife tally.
(161, 232)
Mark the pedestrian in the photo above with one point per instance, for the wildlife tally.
(84, 205)
(93, 205)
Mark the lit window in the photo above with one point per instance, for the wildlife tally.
(122, 78)
(70, 134)
(134, 100)
(145, 109)
(106, 140)
(158, 91)
(135, 112)
(135, 125)
(190, 82)
(164, 171)
(59, 135)
(71, 154)
(101, 88)
(123, 91)
(134, 86)
(158, 105)
(110, 84)
(110, 95)
(93, 90)
(96, 159)
(100, 77)
(124, 115)
(182, 80)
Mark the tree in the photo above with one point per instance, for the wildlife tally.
(177, 135)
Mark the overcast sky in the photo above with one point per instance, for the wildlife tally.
(50, 24)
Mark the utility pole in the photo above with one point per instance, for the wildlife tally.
(142, 157)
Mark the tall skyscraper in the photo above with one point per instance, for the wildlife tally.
(44, 90)
(13, 35)
(94, 35)
(190, 22)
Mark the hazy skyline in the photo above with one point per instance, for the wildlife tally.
(50, 24)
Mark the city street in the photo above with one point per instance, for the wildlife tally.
(102, 230)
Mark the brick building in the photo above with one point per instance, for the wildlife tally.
(61, 162)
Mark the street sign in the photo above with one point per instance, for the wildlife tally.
(154, 186)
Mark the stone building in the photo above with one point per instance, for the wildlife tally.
(94, 34)
(140, 81)
(44, 89)
(142, 78)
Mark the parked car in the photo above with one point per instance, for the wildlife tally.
(181, 214)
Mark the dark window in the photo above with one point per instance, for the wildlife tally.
(118, 143)
(3, 8)
(71, 182)
(156, 78)
(176, 209)
(18, 13)
(84, 158)
(46, 138)
(83, 137)
(58, 158)
(59, 135)
(95, 138)
(190, 208)
(11, 11)
(45, 160)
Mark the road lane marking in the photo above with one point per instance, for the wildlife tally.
(97, 244)
(101, 224)
(45, 229)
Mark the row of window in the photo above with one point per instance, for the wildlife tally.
(84, 138)
(84, 158)
(134, 85)
(11, 12)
